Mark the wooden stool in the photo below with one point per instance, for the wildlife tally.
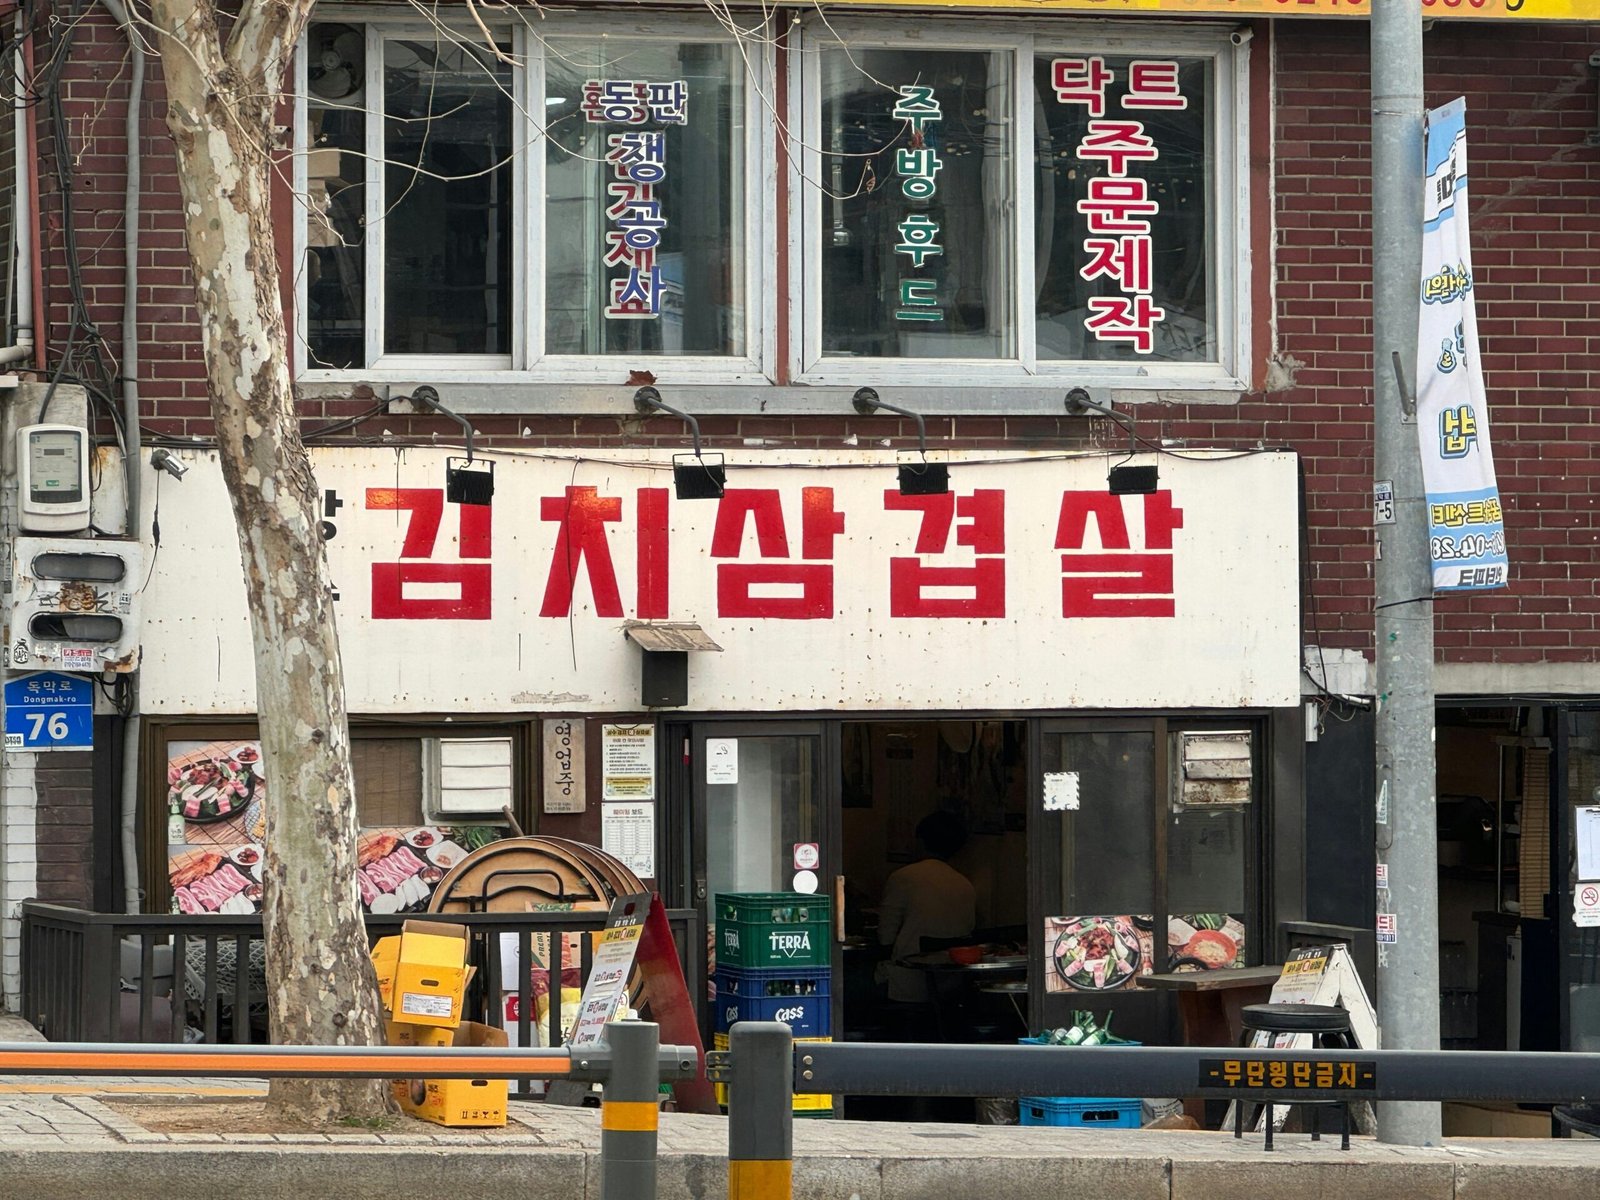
(1329, 1028)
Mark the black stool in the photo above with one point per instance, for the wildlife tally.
(1329, 1028)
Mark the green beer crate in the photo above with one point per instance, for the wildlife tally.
(773, 929)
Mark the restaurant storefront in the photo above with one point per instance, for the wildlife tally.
(768, 691)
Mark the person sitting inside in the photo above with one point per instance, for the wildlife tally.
(927, 899)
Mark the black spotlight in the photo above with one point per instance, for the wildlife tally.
(693, 476)
(696, 478)
(916, 478)
(924, 479)
(468, 482)
(1132, 481)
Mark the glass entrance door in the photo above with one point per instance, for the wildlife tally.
(751, 804)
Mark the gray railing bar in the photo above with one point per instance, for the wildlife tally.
(900, 1069)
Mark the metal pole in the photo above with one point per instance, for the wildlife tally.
(630, 1110)
(761, 1111)
(1408, 966)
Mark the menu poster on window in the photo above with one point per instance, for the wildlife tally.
(1204, 942)
(1097, 953)
(628, 831)
(216, 823)
(628, 762)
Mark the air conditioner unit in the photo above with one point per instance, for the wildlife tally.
(76, 604)
(467, 775)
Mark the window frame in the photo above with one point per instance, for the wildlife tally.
(799, 379)
(1229, 198)
(528, 361)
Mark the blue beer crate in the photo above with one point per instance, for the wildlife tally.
(797, 996)
(1079, 1112)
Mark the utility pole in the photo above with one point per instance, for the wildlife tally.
(1408, 868)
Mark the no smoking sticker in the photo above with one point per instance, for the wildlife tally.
(1586, 905)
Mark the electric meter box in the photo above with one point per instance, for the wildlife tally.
(53, 478)
(76, 604)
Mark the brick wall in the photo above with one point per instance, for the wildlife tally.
(1536, 222)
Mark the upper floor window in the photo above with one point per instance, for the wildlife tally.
(1017, 207)
(946, 202)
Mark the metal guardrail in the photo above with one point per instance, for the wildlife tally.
(630, 1062)
(74, 988)
(764, 1067)
(896, 1069)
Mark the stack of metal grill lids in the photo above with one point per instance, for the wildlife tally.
(520, 873)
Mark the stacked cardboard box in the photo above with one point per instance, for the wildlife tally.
(422, 981)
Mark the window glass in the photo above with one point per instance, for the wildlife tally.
(916, 204)
(448, 244)
(1125, 233)
(336, 197)
(388, 780)
(1107, 849)
(645, 204)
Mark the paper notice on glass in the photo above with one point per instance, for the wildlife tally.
(722, 760)
(1061, 791)
(629, 832)
(1588, 835)
(628, 762)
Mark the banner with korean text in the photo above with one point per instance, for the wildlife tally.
(1028, 586)
(1466, 528)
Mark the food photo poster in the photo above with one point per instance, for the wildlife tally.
(1205, 942)
(1098, 953)
(217, 794)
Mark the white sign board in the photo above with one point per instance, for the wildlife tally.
(1586, 905)
(628, 831)
(608, 973)
(628, 762)
(1587, 830)
(1028, 586)
(1061, 791)
(564, 760)
(722, 760)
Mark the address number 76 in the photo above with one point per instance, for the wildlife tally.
(55, 725)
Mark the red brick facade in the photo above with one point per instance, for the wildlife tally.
(1536, 225)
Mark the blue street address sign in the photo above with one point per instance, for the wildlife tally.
(49, 711)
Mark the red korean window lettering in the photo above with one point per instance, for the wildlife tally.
(776, 588)
(1081, 81)
(1153, 83)
(1117, 143)
(465, 586)
(1130, 319)
(918, 588)
(1113, 579)
(1117, 205)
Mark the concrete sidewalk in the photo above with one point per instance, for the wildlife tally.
(59, 1140)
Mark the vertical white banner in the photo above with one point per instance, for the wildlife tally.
(1466, 529)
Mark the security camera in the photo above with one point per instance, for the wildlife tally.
(1240, 36)
(163, 459)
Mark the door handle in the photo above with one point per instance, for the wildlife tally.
(838, 909)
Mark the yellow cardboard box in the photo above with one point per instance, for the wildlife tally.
(430, 975)
(453, 1102)
(385, 958)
